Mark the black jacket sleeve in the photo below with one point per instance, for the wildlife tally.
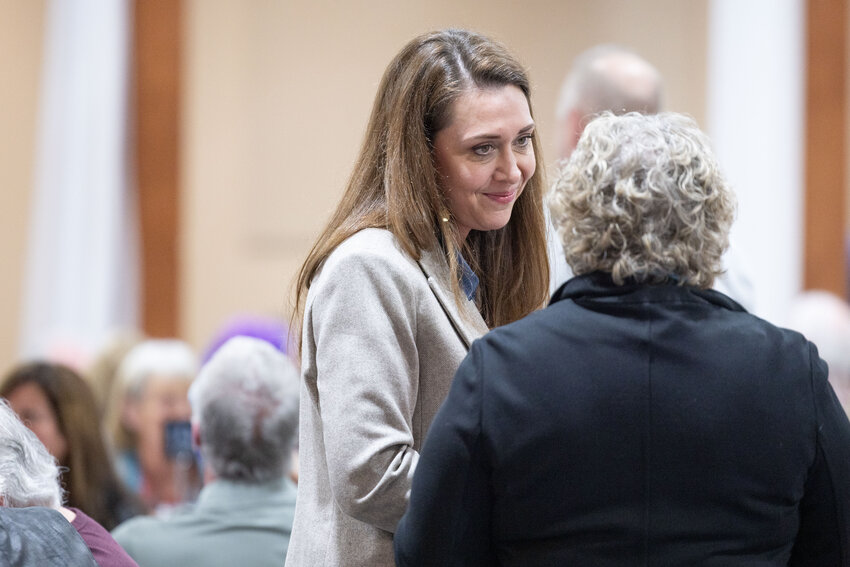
(448, 520)
(824, 535)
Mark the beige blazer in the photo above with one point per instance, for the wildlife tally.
(382, 339)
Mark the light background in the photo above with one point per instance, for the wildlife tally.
(275, 99)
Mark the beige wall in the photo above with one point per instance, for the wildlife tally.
(21, 23)
(277, 95)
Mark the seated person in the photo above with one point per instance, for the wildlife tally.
(150, 393)
(59, 407)
(642, 418)
(29, 477)
(245, 420)
(41, 537)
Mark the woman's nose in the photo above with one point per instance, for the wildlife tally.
(509, 168)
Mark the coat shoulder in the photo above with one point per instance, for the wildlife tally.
(371, 248)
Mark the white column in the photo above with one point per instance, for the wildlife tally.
(755, 118)
(81, 265)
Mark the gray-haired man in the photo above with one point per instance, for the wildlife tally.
(245, 421)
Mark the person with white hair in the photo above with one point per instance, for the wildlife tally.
(43, 532)
(29, 475)
(149, 402)
(245, 422)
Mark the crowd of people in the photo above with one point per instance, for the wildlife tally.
(493, 368)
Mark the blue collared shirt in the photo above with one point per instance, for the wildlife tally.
(468, 279)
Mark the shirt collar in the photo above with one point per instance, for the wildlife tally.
(468, 279)
(227, 492)
(601, 284)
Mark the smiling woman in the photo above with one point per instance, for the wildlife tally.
(485, 157)
(445, 199)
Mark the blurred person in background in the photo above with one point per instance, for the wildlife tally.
(100, 373)
(245, 422)
(270, 329)
(642, 418)
(604, 78)
(613, 78)
(148, 419)
(59, 407)
(29, 477)
(825, 320)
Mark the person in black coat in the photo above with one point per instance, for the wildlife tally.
(641, 418)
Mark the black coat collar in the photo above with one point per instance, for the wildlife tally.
(600, 284)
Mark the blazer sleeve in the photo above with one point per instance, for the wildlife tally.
(367, 371)
(448, 520)
(824, 534)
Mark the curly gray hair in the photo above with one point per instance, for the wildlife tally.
(29, 475)
(642, 197)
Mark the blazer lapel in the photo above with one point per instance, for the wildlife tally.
(465, 318)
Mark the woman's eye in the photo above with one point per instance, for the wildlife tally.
(524, 141)
(483, 150)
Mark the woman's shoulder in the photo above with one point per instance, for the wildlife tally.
(370, 255)
(370, 246)
(368, 241)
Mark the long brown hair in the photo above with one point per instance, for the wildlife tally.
(89, 479)
(395, 186)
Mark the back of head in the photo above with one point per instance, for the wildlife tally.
(642, 197)
(245, 403)
(606, 78)
(28, 473)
